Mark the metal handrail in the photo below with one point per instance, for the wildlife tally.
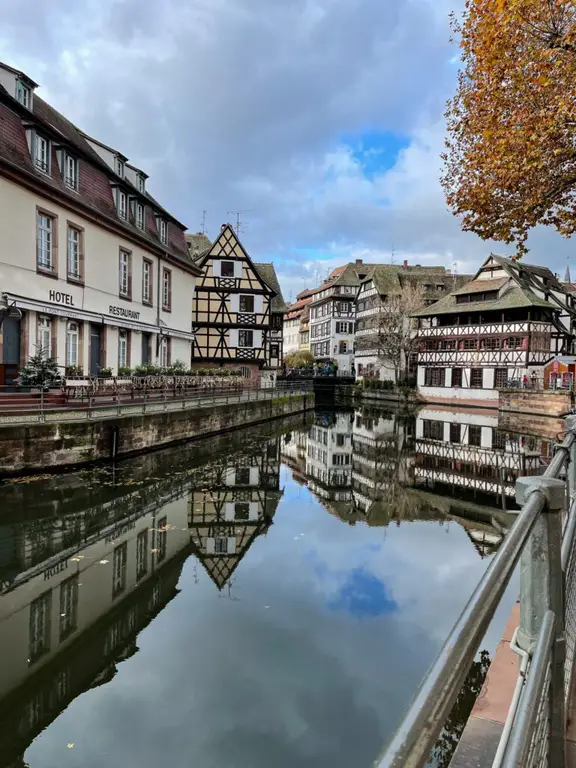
(413, 741)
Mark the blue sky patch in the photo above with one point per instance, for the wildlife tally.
(376, 151)
(363, 595)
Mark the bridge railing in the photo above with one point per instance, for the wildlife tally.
(542, 540)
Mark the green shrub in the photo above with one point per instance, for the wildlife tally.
(124, 371)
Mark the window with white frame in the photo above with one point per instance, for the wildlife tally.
(44, 240)
(142, 554)
(122, 349)
(147, 281)
(120, 558)
(141, 183)
(220, 546)
(122, 204)
(42, 153)
(23, 94)
(73, 252)
(39, 632)
(72, 334)
(120, 167)
(163, 230)
(139, 215)
(71, 171)
(124, 274)
(166, 290)
(68, 606)
(165, 352)
(45, 337)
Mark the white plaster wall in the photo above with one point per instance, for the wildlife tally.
(94, 564)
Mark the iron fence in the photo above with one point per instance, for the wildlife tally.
(542, 539)
(89, 403)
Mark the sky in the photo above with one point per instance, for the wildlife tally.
(321, 120)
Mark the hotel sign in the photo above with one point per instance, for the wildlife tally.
(61, 298)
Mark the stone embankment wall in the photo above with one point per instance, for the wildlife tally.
(539, 402)
(49, 446)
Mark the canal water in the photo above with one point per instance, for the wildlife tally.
(267, 599)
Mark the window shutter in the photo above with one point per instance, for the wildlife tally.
(234, 302)
(233, 337)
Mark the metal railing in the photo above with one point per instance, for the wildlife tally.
(52, 406)
(542, 539)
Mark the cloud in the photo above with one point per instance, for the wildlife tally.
(265, 107)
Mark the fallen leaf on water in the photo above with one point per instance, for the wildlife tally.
(103, 562)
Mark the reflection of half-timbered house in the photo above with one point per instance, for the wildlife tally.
(465, 452)
(235, 505)
(238, 309)
(507, 323)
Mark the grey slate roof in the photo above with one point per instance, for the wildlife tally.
(513, 298)
(268, 274)
(198, 244)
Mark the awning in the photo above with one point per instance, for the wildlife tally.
(83, 315)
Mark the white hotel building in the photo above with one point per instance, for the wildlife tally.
(93, 270)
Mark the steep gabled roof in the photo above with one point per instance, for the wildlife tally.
(268, 274)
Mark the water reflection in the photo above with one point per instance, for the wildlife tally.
(90, 564)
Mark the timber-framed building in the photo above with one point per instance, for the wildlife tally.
(502, 326)
(238, 310)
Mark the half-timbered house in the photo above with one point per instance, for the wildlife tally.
(238, 310)
(502, 326)
(385, 282)
(235, 504)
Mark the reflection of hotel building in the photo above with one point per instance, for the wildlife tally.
(233, 505)
(65, 577)
(97, 274)
(466, 451)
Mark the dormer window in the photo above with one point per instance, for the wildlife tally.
(42, 153)
(141, 185)
(120, 167)
(163, 230)
(70, 171)
(139, 215)
(122, 204)
(23, 94)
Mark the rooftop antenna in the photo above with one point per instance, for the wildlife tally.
(392, 254)
(238, 226)
(203, 222)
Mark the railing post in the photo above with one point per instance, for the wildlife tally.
(542, 589)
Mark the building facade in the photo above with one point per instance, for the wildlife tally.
(97, 274)
(333, 313)
(296, 323)
(502, 326)
(238, 310)
(389, 281)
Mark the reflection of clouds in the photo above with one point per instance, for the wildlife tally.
(287, 676)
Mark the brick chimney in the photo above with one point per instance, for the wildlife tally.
(405, 264)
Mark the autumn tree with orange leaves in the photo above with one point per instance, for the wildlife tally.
(510, 163)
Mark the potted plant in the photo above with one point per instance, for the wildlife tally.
(105, 373)
(74, 371)
(39, 372)
(124, 372)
